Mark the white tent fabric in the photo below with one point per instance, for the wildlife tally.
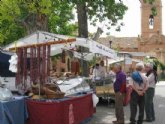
(135, 54)
(84, 56)
(112, 61)
(96, 47)
(43, 37)
(36, 37)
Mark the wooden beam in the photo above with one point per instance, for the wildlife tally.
(47, 43)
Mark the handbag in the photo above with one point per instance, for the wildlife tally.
(127, 97)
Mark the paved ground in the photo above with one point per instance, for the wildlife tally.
(105, 114)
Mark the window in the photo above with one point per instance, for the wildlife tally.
(151, 22)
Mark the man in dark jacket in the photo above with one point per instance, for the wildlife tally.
(119, 88)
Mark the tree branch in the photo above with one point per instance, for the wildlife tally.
(141, 1)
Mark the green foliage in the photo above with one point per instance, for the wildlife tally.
(99, 11)
(93, 61)
(162, 66)
(19, 16)
(156, 63)
(58, 20)
(149, 1)
(106, 9)
(153, 9)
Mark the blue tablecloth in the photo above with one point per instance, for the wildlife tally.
(13, 112)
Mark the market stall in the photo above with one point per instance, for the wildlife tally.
(35, 55)
(71, 48)
(46, 91)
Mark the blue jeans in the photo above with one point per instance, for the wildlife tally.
(149, 105)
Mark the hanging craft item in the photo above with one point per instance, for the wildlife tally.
(24, 66)
(35, 65)
(44, 64)
(63, 56)
(31, 65)
(19, 75)
(38, 64)
(39, 56)
(48, 60)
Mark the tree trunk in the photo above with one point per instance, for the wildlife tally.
(36, 22)
(82, 19)
(83, 32)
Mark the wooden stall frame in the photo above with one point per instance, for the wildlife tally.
(46, 43)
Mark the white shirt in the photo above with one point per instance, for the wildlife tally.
(151, 80)
(99, 72)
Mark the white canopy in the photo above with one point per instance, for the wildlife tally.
(135, 54)
(43, 37)
(112, 61)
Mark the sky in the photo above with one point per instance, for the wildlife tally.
(132, 21)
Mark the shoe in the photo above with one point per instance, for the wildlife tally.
(118, 122)
(132, 122)
(114, 122)
(153, 119)
(148, 120)
(139, 122)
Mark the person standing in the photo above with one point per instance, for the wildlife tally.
(102, 69)
(112, 74)
(149, 105)
(139, 85)
(119, 88)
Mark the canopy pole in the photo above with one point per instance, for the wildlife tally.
(106, 63)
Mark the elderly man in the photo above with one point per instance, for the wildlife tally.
(119, 88)
(139, 84)
(152, 79)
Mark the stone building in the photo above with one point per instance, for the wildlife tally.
(151, 40)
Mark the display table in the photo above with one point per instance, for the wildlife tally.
(65, 111)
(13, 112)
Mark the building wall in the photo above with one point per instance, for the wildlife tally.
(151, 41)
(145, 13)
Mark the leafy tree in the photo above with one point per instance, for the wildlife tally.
(98, 11)
(21, 17)
(101, 10)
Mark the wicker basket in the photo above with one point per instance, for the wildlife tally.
(35, 90)
(56, 95)
(52, 94)
(51, 87)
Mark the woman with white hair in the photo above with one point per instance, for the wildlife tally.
(139, 85)
(149, 105)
